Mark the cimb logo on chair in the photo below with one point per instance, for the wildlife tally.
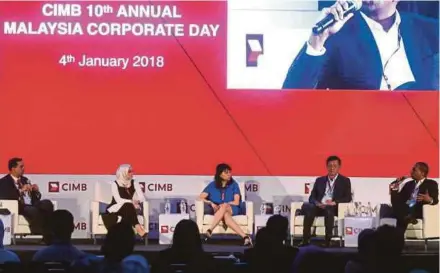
(353, 231)
(56, 186)
(166, 229)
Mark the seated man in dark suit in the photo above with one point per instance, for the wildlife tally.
(15, 186)
(409, 201)
(377, 48)
(328, 191)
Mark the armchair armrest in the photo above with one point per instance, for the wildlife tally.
(94, 210)
(342, 209)
(250, 216)
(431, 221)
(294, 207)
(12, 206)
(146, 215)
(200, 211)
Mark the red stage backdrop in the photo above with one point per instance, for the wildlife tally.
(173, 114)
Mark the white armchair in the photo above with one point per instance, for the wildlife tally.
(20, 226)
(246, 222)
(425, 229)
(318, 227)
(99, 205)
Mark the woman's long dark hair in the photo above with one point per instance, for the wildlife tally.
(218, 171)
(186, 238)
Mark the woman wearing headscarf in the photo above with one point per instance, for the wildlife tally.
(127, 197)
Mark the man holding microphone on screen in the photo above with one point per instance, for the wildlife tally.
(375, 48)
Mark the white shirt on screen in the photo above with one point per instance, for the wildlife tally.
(397, 70)
(329, 187)
(26, 197)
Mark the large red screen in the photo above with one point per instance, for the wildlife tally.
(180, 118)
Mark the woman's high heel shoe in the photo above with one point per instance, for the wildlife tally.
(247, 241)
(208, 235)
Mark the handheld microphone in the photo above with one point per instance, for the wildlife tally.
(329, 20)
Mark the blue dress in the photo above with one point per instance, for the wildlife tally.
(223, 195)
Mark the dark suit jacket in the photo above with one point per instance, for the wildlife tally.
(429, 185)
(8, 190)
(352, 59)
(341, 190)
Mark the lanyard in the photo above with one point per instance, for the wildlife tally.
(330, 185)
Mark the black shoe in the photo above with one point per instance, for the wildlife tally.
(327, 243)
(208, 235)
(247, 241)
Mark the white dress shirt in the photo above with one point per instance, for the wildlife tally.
(26, 196)
(395, 65)
(329, 187)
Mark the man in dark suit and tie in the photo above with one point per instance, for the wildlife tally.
(378, 48)
(409, 201)
(328, 191)
(15, 186)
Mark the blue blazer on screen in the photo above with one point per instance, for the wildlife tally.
(352, 59)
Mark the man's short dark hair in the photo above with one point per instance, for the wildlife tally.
(423, 167)
(333, 158)
(13, 162)
(62, 224)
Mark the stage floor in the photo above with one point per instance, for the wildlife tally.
(221, 247)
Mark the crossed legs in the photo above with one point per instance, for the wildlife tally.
(224, 213)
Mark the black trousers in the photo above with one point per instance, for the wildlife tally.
(128, 214)
(402, 211)
(38, 215)
(310, 212)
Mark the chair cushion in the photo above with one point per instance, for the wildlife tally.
(140, 219)
(22, 221)
(242, 220)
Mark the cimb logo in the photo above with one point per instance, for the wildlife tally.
(254, 49)
(142, 185)
(352, 231)
(80, 226)
(56, 186)
(7, 230)
(252, 187)
(153, 187)
(166, 229)
(308, 188)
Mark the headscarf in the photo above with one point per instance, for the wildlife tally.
(122, 177)
(2, 234)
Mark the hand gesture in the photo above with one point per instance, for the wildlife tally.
(425, 198)
(215, 207)
(320, 205)
(35, 187)
(330, 203)
(26, 187)
(137, 204)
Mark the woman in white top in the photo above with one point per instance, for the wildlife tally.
(127, 198)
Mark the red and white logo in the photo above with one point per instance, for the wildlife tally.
(54, 186)
(348, 231)
(164, 229)
(307, 189)
(142, 185)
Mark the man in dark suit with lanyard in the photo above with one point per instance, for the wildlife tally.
(15, 186)
(409, 201)
(378, 48)
(328, 191)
